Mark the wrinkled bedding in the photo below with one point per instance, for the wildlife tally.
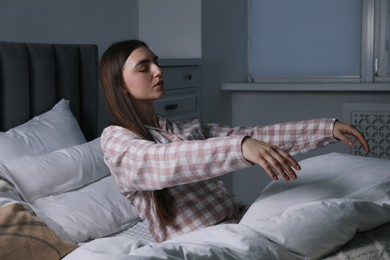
(335, 197)
(225, 241)
(372, 244)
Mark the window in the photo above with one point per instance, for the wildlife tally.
(318, 40)
(381, 40)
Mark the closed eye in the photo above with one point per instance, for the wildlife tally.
(143, 69)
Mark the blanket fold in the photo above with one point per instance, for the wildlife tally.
(25, 236)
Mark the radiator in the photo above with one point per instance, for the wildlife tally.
(373, 120)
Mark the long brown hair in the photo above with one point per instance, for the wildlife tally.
(121, 108)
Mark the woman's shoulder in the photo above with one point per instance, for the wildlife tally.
(116, 130)
(113, 128)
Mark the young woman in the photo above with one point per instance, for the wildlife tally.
(168, 170)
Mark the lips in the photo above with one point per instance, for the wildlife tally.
(159, 83)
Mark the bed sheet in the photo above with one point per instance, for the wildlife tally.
(138, 231)
(336, 196)
(372, 244)
(224, 241)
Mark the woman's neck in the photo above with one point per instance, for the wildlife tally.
(145, 111)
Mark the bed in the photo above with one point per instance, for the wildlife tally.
(58, 199)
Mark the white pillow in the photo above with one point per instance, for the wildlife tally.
(57, 172)
(72, 188)
(52, 130)
(335, 196)
(93, 211)
(9, 197)
(55, 129)
(5, 185)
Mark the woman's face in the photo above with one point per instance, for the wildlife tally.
(143, 76)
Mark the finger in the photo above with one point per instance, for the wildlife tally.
(290, 160)
(268, 170)
(272, 167)
(280, 165)
(343, 138)
(354, 132)
(347, 141)
(362, 140)
(282, 171)
(285, 164)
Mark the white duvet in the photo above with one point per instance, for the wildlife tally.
(335, 196)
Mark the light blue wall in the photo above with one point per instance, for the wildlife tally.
(224, 52)
(73, 21)
(171, 28)
(98, 22)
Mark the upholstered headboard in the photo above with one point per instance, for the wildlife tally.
(34, 76)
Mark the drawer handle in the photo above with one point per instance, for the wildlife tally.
(188, 77)
(171, 107)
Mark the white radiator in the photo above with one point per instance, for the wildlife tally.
(373, 120)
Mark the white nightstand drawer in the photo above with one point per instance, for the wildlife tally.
(179, 104)
(181, 77)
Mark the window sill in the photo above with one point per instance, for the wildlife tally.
(307, 87)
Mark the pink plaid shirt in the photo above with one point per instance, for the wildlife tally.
(187, 158)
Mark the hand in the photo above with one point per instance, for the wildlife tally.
(342, 130)
(270, 158)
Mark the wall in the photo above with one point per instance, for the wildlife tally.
(224, 54)
(98, 22)
(268, 107)
(171, 28)
(74, 21)
(201, 29)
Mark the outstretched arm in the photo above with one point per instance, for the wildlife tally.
(292, 137)
(275, 161)
(139, 164)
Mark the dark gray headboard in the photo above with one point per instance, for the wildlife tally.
(34, 76)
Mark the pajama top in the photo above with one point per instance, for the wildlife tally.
(186, 159)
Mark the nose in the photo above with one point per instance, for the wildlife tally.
(157, 71)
